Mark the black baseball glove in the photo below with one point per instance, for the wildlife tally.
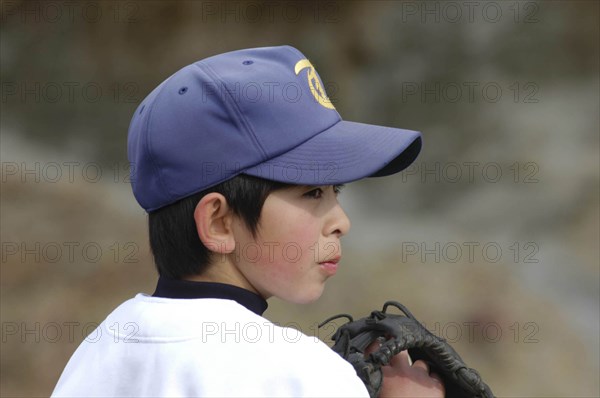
(398, 333)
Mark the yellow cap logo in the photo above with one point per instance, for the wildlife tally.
(314, 83)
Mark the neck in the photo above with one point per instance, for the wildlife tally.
(224, 271)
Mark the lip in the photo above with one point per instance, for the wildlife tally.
(330, 266)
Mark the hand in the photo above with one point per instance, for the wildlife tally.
(401, 379)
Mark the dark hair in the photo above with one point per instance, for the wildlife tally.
(177, 249)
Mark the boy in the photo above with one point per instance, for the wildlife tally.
(238, 159)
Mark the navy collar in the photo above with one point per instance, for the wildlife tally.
(182, 289)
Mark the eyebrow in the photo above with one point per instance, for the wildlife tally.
(338, 186)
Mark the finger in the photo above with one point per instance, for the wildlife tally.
(438, 380)
(374, 346)
(401, 360)
(421, 364)
(436, 377)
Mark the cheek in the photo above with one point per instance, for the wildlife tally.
(285, 258)
(296, 245)
(289, 255)
(294, 227)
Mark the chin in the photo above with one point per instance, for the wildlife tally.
(307, 296)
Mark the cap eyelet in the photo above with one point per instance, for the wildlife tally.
(141, 109)
(183, 90)
(248, 62)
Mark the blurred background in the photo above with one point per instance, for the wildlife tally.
(490, 238)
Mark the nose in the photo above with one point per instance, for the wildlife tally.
(340, 223)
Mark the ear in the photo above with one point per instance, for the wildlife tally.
(213, 223)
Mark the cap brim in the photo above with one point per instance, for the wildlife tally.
(345, 152)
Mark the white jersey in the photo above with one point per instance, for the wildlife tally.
(156, 346)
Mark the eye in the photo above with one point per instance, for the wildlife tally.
(338, 188)
(316, 193)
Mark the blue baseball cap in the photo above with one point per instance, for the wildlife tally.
(261, 112)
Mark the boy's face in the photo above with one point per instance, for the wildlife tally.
(297, 246)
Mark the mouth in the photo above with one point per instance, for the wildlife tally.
(330, 266)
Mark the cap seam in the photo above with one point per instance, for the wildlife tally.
(294, 147)
(295, 51)
(149, 148)
(215, 76)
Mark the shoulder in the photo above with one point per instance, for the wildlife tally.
(204, 348)
(308, 363)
